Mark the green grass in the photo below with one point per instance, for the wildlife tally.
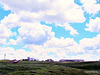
(48, 68)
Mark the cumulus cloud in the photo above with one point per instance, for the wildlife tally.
(50, 11)
(11, 53)
(35, 33)
(41, 10)
(5, 33)
(8, 51)
(91, 7)
(86, 57)
(12, 42)
(68, 48)
(27, 14)
(72, 30)
(10, 21)
(3, 41)
(29, 32)
(67, 27)
(90, 43)
(18, 41)
(61, 43)
(55, 48)
(58, 48)
(94, 25)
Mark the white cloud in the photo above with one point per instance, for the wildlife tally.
(7, 51)
(12, 20)
(2, 41)
(35, 33)
(90, 6)
(67, 27)
(67, 45)
(52, 10)
(29, 32)
(60, 43)
(94, 25)
(72, 30)
(18, 41)
(32, 5)
(87, 49)
(86, 57)
(39, 38)
(4, 31)
(56, 49)
(12, 54)
(90, 43)
(12, 42)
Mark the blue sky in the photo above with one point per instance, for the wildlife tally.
(50, 29)
(3, 13)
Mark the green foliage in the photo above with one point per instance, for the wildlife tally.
(83, 65)
(46, 68)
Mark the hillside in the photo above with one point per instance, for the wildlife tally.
(49, 68)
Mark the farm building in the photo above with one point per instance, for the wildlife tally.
(24, 59)
(14, 61)
(49, 60)
(32, 59)
(71, 60)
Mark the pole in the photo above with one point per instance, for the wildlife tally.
(4, 56)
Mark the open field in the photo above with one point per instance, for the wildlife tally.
(49, 68)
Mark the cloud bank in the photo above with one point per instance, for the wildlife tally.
(27, 15)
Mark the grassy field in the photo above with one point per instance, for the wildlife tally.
(49, 68)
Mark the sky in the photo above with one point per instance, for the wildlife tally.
(50, 29)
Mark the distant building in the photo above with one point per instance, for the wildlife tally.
(49, 60)
(32, 59)
(24, 59)
(14, 61)
(71, 60)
